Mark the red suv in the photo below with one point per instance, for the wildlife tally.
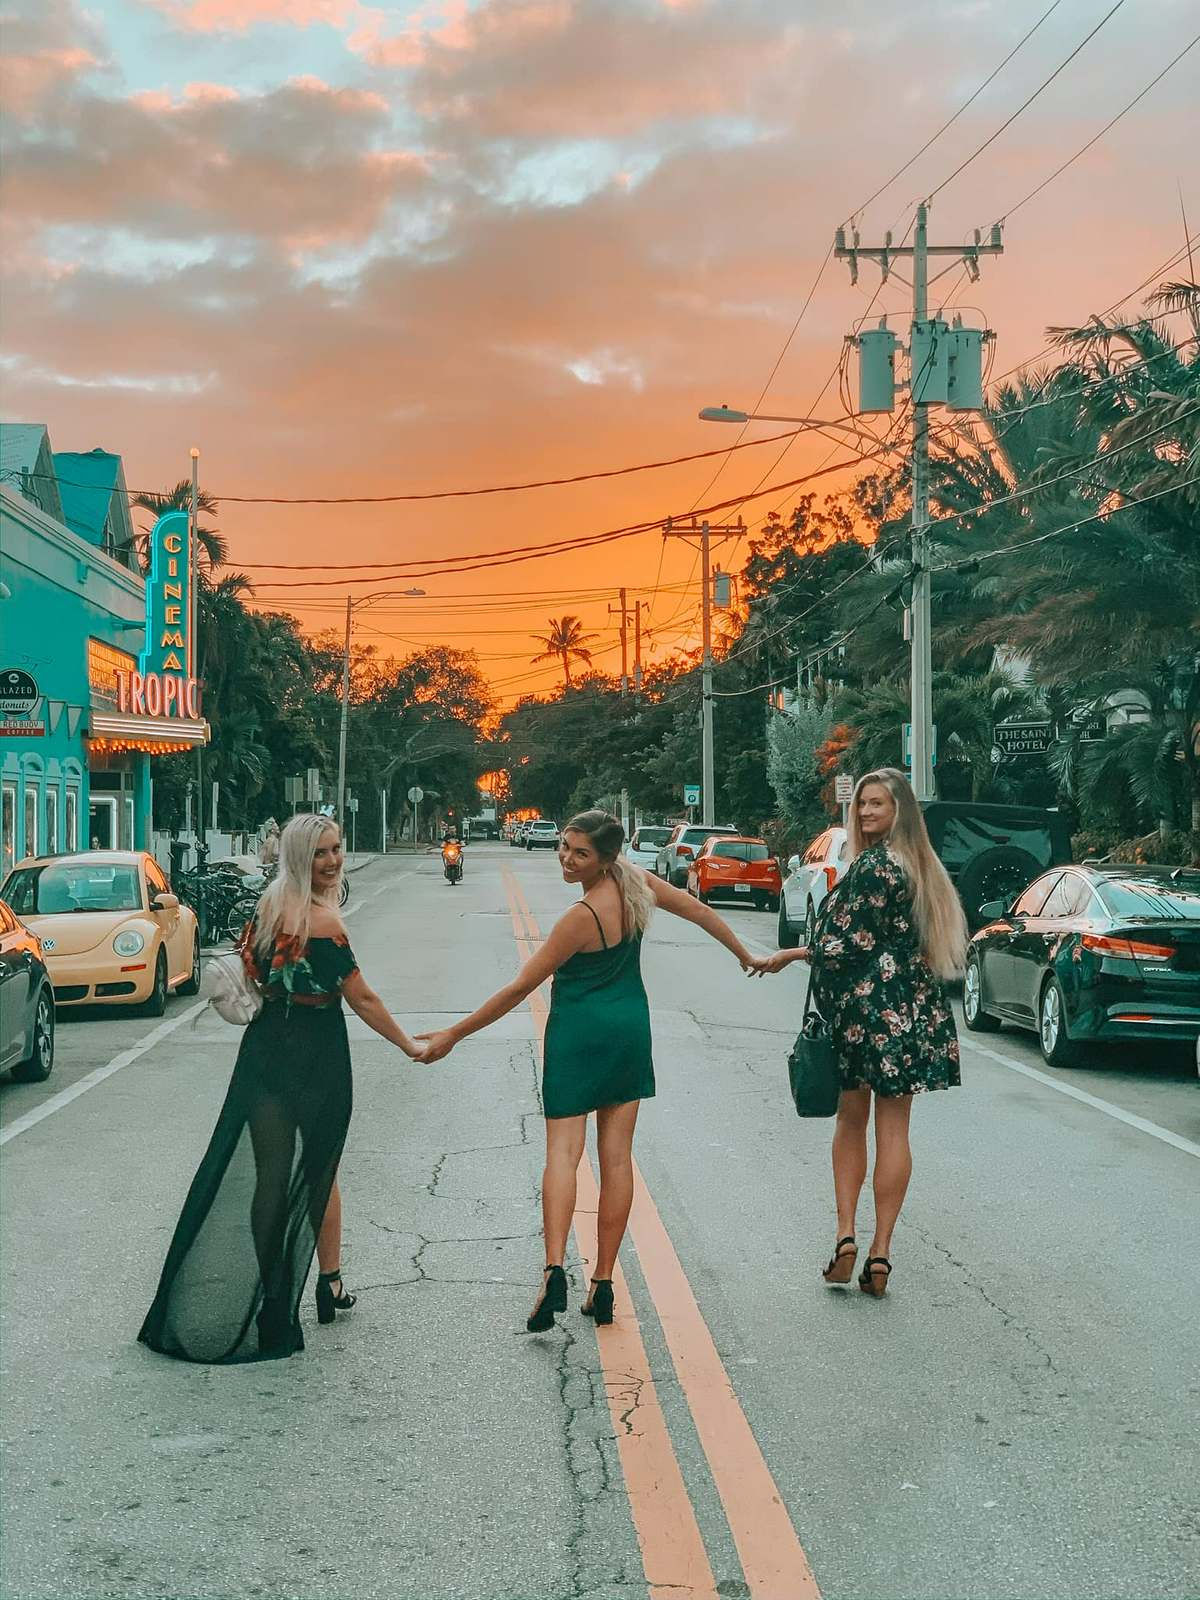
(736, 869)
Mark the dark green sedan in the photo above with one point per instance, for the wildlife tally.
(1090, 954)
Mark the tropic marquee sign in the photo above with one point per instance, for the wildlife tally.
(165, 685)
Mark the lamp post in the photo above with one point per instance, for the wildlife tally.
(351, 604)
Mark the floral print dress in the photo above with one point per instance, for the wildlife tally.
(892, 1027)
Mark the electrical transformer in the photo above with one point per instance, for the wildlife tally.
(877, 369)
(929, 362)
(964, 390)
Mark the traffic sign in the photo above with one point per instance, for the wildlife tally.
(691, 794)
(908, 746)
(416, 795)
(843, 788)
(19, 693)
(1023, 738)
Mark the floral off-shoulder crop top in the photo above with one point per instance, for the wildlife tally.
(319, 967)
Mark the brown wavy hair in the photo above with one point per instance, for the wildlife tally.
(606, 836)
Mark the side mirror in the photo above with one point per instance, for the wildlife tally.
(165, 902)
(793, 864)
(991, 909)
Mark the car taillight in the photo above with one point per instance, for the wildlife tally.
(1128, 949)
(685, 850)
(830, 878)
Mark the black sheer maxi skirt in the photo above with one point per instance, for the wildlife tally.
(243, 1247)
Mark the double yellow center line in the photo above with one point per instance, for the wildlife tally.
(674, 1557)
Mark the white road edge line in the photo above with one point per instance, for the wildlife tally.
(1130, 1118)
(64, 1097)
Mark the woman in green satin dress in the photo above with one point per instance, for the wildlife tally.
(597, 1044)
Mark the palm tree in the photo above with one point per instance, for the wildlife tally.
(566, 642)
(211, 543)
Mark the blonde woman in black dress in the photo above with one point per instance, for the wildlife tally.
(265, 1195)
(887, 935)
(597, 1053)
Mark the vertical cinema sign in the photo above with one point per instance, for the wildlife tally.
(166, 684)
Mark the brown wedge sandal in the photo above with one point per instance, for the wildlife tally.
(841, 1263)
(873, 1279)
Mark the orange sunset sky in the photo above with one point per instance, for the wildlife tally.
(352, 249)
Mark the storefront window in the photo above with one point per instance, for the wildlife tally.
(8, 826)
(31, 820)
(52, 845)
(71, 831)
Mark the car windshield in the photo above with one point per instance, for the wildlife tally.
(650, 838)
(1154, 899)
(74, 886)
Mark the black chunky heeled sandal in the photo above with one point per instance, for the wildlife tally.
(328, 1303)
(873, 1279)
(841, 1263)
(554, 1298)
(600, 1305)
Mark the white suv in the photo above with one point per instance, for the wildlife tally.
(542, 832)
(684, 846)
(809, 879)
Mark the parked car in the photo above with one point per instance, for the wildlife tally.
(677, 854)
(809, 879)
(643, 848)
(26, 1002)
(741, 869)
(516, 838)
(110, 928)
(542, 833)
(1091, 953)
(992, 852)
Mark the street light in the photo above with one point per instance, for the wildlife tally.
(362, 600)
(817, 424)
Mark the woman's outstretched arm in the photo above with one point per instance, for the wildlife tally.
(568, 935)
(683, 905)
(363, 1000)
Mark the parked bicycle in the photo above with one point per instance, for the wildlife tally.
(219, 896)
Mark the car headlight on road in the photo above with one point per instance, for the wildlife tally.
(129, 943)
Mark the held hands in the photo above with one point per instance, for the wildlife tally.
(436, 1045)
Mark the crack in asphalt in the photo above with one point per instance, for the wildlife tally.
(1007, 1317)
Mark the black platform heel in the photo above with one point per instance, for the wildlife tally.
(278, 1335)
(600, 1306)
(554, 1298)
(328, 1303)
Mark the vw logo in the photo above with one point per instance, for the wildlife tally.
(47, 944)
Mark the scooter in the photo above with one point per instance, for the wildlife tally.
(452, 863)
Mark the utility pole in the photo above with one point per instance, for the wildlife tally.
(623, 611)
(705, 532)
(637, 645)
(341, 781)
(933, 350)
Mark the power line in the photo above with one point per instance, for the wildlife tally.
(949, 123)
(1024, 106)
(1095, 139)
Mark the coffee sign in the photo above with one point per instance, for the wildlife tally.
(19, 692)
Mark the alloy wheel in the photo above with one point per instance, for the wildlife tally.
(1051, 1019)
(971, 991)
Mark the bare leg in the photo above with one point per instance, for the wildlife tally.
(564, 1148)
(329, 1238)
(614, 1142)
(850, 1156)
(893, 1167)
(273, 1136)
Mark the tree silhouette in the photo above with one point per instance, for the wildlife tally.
(566, 642)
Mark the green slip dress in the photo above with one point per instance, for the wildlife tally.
(597, 1046)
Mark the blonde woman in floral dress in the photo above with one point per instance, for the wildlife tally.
(888, 934)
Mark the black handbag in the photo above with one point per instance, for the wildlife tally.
(813, 1067)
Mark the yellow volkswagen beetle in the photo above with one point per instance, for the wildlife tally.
(112, 932)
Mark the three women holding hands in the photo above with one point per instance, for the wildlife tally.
(887, 934)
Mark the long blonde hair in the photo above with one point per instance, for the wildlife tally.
(941, 924)
(286, 905)
(606, 836)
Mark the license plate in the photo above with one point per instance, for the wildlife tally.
(741, 888)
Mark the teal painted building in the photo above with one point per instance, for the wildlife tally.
(75, 762)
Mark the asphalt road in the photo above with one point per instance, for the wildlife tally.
(1016, 1421)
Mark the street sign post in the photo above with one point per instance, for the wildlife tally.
(416, 794)
(843, 790)
(691, 794)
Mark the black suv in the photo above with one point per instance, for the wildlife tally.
(992, 852)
